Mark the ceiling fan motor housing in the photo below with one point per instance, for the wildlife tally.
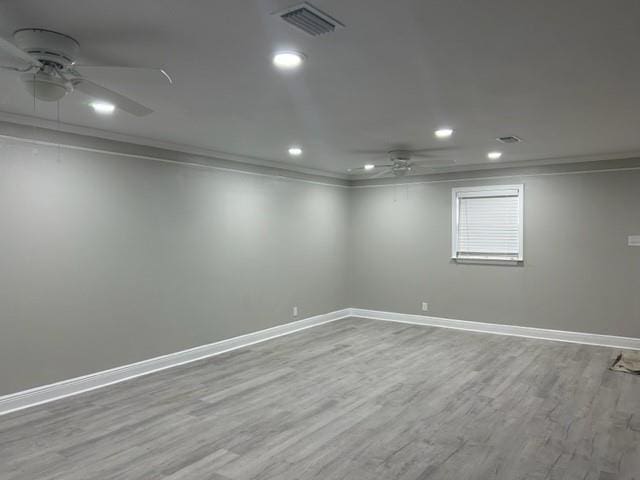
(400, 155)
(47, 46)
(401, 162)
(401, 168)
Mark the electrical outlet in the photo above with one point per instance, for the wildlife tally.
(425, 306)
(295, 311)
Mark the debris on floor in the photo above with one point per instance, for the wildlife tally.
(627, 362)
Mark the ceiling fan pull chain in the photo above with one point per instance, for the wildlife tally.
(35, 128)
(58, 129)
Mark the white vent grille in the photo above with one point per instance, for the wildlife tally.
(309, 19)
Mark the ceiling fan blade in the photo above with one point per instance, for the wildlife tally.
(362, 169)
(381, 173)
(367, 152)
(14, 51)
(101, 93)
(433, 162)
(161, 71)
(426, 152)
(431, 168)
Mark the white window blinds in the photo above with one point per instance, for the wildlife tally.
(487, 223)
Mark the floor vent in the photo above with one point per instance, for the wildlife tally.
(509, 139)
(309, 19)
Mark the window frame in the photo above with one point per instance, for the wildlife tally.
(455, 215)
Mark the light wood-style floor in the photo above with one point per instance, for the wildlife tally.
(355, 399)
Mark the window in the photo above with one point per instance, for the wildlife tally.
(487, 223)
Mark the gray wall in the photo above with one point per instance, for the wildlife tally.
(579, 274)
(109, 259)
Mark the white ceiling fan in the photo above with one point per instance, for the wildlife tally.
(402, 163)
(50, 72)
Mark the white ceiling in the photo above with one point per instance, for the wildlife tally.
(563, 75)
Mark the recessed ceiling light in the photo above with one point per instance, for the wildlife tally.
(288, 60)
(103, 108)
(494, 155)
(295, 151)
(443, 132)
(369, 166)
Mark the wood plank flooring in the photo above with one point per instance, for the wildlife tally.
(354, 399)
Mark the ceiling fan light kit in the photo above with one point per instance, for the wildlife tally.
(45, 86)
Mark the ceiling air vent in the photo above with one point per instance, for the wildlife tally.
(309, 19)
(509, 139)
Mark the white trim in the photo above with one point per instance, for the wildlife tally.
(501, 329)
(492, 177)
(18, 120)
(66, 388)
(182, 163)
(487, 260)
(60, 127)
(21, 120)
(74, 386)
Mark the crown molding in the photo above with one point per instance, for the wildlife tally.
(563, 166)
(53, 131)
(46, 131)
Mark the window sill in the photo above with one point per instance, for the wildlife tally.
(483, 260)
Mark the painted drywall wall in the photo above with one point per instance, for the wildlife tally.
(110, 259)
(578, 275)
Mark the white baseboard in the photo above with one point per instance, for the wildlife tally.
(74, 386)
(513, 330)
